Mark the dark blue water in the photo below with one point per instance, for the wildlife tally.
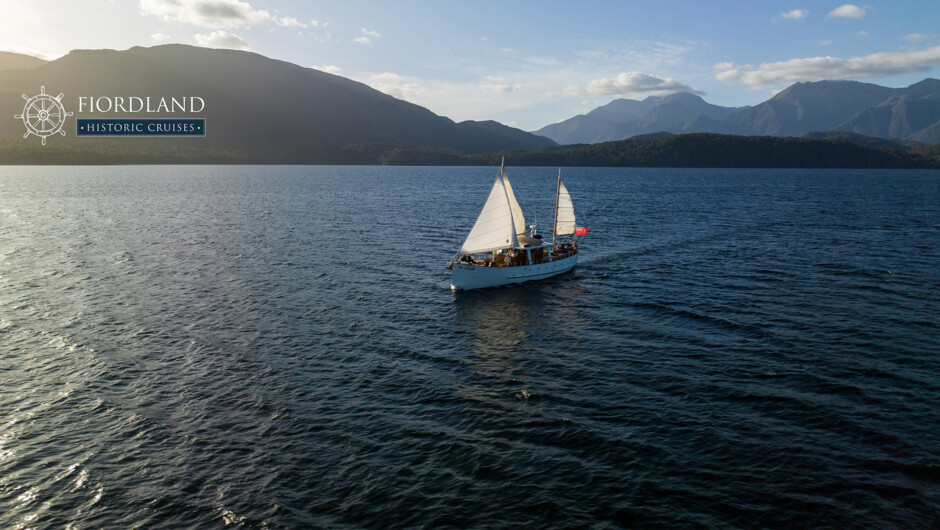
(278, 347)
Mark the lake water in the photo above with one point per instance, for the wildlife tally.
(278, 347)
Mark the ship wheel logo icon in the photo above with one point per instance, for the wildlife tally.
(43, 115)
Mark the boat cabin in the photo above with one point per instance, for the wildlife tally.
(528, 253)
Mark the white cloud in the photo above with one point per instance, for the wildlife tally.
(631, 84)
(914, 38)
(863, 33)
(456, 100)
(159, 37)
(826, 42)
(366, 36)
(533, 94)
(222, 39)
(214, 14)
(205, 13)
(328, 68)
(820, 68)
(795, 14)
(493, 83)
(847, 11)
(319, 31)
(288, 22)
(395, 85)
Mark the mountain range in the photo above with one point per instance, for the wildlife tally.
(262, 110)
(624, 118)
(910, 113)
(265, 109)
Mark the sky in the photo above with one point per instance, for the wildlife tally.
(525, 63)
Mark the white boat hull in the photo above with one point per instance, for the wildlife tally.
(476, 277)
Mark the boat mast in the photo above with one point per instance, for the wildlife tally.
(555, 225)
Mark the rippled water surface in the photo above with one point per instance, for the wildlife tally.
(279, 347)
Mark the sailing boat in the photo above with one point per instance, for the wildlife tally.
(499, 250)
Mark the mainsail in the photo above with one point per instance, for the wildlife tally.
(564, 211)
(494, 228)
(517, 216)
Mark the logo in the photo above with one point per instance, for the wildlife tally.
(43, 115)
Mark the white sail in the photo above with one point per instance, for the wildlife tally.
(494, 228)
(517, 216)
(564, 212)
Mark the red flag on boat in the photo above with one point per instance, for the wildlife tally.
(580, 231)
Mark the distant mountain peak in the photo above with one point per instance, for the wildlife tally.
(927, 85)
(927, 82)
(624, 118)
(675, 96)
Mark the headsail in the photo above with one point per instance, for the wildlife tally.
(494, 228)
(517, 216)
(564, 211)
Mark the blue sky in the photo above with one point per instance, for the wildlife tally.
(523, 63)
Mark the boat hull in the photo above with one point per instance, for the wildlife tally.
(476, 277)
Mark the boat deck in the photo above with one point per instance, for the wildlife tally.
(521, 259)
